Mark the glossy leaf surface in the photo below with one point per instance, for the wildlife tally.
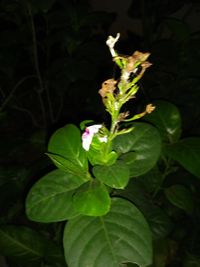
(21, 244)
(50, 199)
(140, 148)
(166, 117)
(115, 176)
(120, 236)
(181, 197)
(66, 142)
(158, 220)
(92, 199)
(68, 166)
(187, 153)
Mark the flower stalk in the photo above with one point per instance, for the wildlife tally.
(115, 93)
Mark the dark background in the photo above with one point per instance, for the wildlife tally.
(53, 59)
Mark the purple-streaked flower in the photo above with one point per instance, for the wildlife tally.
(87, 136)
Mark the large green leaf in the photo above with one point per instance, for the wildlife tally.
(158, 220)
(50, 199)
(181, 197)
(140, 149)
(92, 199)
(66, 142)
(166, 117)
(22, 244)
(115, 176)
(120, 236)
(66, 165)
(187, 153)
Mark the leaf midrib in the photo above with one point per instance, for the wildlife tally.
(108, 240)
(21, 245)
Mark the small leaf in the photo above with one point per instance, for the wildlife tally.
(166, 117)
(21, 243)
(92, 199)
(99, 157)
(66, 142)
(181, 197)
(115, 176)
(50, 199)
(140, 149)
(121, 236)
(85, 123)
(186, 152)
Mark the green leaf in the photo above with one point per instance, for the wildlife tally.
(21, 243)
(140, 148)
(66, 142)
(99, 157)
(50, 199)
(120, 236)
(85, 123)
(115, 176)
(92, 199)
(152, 180)
(158, 220)
(181, 197)
(67, 165)
(186, 152)
(167, 119)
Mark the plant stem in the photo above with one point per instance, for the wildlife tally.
(51, 111)
(9, 97)
(37, 69)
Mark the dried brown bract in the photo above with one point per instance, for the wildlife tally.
(136, 59)
(108, 87)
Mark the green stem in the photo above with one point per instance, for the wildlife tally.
(167, 171)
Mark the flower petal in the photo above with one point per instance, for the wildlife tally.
(87, 136)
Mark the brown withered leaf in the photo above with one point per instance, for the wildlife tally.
(150, 108)
(123, 115)
(108, 87)
(135, 58)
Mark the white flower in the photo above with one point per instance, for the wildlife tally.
(87, 136)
